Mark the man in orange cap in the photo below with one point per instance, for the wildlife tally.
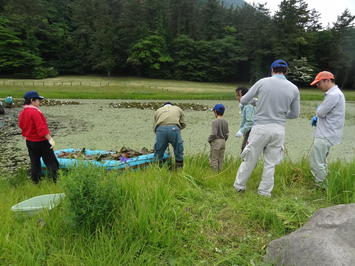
(329, 123)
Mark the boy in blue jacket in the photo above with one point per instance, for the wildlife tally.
(247, 116)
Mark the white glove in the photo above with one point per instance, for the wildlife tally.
(51, 142)
(239, 134)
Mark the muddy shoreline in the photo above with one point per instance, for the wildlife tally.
(110, 124)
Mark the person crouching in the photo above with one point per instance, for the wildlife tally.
(39, 142)
(169, 120)
(218, 138)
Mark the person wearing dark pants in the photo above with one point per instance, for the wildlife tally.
(39, 142)
(166, 135)
(168, 122)
(38, 150)
(247, 112)
(245, 140)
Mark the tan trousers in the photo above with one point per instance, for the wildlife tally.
(218, 147)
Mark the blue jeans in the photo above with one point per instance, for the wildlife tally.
(166, 135)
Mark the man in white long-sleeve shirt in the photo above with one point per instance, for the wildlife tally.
(329, 122)
(278, 100)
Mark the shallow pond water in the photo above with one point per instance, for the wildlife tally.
(94, 124)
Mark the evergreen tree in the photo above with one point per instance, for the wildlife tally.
(15, 57)
(292, 21)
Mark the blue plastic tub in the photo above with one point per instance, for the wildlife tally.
(108, 164)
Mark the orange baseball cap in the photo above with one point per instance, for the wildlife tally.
(322, 75)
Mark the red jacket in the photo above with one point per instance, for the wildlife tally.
(33, 123)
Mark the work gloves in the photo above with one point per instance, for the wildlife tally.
(314, 121)
(51, 142)
(239, 134)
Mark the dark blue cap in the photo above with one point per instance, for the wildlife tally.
(279, 63)
(219, 108)
(32, 95)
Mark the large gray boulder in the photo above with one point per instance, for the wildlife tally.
(327, 239)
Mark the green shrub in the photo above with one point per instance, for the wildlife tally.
(18, 178)
(92, 198)
(44, 72)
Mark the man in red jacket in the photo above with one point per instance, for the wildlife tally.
(38, 139)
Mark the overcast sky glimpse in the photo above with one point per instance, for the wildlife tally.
(329, 10)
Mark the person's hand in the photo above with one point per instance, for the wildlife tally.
(51, 142)
(314, 121)
(239, 134)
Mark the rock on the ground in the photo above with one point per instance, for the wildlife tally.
(327, 239)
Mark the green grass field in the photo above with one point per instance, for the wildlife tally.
(94, 87)
(153, 216)
(157, 217)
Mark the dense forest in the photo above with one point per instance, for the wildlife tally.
(173, 39)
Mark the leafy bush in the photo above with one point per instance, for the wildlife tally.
(92, 198)
(301, 71)
(44, 72)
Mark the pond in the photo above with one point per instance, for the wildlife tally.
(104, 124)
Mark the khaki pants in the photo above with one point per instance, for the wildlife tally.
(218, 147)
(269, 140)
(318, 158)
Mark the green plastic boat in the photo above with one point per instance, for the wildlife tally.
(36, 204)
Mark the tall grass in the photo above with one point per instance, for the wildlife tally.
(341, 183)
(154, 216)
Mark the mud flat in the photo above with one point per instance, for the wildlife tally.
(109, 124)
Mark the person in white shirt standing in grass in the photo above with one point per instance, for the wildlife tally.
(329, 122)
(278, 100)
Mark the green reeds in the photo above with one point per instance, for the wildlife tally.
(154, 216)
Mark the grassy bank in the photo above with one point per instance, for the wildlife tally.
(154, 216)
(93, 87)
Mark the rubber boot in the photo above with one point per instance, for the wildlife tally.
(162, 163)
(179, 164)
(165, 162)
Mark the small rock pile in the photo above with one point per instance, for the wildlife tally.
(47, 102)
(156, 105)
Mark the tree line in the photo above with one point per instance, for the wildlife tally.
(199, 40)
